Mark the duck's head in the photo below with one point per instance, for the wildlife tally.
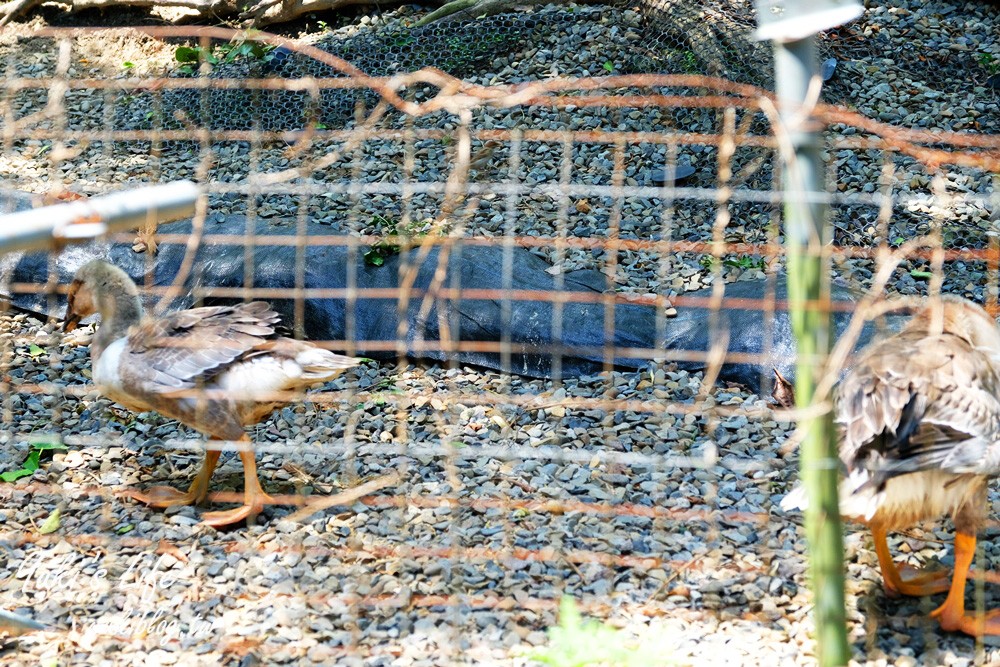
(99, 287)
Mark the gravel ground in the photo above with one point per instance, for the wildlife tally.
(659, 515)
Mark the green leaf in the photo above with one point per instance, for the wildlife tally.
(235, 52)
(43, 445)
(374, 258)
(128, 65)
(921, 274)
(14, 475)
(609, 66)
(34, 350)
(127, 528)
(51, 523)
(186, 54)
(31, 464)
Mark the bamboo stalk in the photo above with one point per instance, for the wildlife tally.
(808, 282)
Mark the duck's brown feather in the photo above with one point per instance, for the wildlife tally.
(920, 421)
(183, 349)
(920, 401)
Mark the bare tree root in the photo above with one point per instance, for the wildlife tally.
(458, 10)
(11, 10)
(202, 8)
(259, 13)
(267, 12)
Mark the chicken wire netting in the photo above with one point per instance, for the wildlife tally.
(662, 37)
(513, 454)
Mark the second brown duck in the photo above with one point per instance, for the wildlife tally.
(920, 420)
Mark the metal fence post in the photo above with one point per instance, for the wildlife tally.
(791, 25)
(51, 227)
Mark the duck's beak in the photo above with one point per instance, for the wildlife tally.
(71, 322)
(783, 393)
(73, 318)
(14, 625)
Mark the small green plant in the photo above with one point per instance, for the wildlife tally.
(248, 49)
(128, 64)
(387, 384)
(690, 62)
(31, 464)
(742, 262)
(576, 642)
(609, 66)
(380, 250)
(746, 262)
(989, 61)
(402, 40)
(189, 57)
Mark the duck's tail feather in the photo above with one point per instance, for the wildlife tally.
(318, 364)
(858, 497)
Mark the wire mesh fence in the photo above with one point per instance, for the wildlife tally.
(560, 255)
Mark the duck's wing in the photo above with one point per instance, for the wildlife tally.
(920, 402)
(185, 348)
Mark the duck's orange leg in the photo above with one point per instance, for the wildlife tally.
(168, 496)
(905, 580)
(952, 614)
(254, 497)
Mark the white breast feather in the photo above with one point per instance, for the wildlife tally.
(106, 373)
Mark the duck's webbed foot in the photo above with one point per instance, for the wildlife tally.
(168, 496)
(254, 498)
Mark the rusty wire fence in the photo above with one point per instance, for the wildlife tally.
(572, 294)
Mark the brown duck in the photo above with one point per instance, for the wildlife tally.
(920, 421)
(216, 369)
